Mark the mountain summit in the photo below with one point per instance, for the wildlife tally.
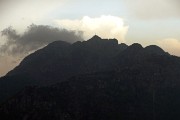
(95, 37)
(94, 79)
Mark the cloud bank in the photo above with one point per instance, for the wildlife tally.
(35, 37)
(104, 26)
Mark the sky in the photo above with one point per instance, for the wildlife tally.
(27, 25)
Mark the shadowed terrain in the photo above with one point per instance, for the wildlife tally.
(97, 79)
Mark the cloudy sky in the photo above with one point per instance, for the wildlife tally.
(27, 25)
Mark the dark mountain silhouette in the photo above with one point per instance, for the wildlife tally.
(97, 79)
(61, 60)
(155, 50)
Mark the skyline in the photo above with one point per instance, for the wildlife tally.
(140, 21)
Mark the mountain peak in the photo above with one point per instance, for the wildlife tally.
(135, 47)
(98, 40)
(95, 37)
(155, 50)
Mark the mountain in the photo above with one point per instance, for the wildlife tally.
(94, 79)
(59, 61)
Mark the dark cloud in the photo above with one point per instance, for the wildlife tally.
(34, 37)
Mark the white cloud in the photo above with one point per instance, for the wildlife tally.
(104, 26)
(171, 45)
